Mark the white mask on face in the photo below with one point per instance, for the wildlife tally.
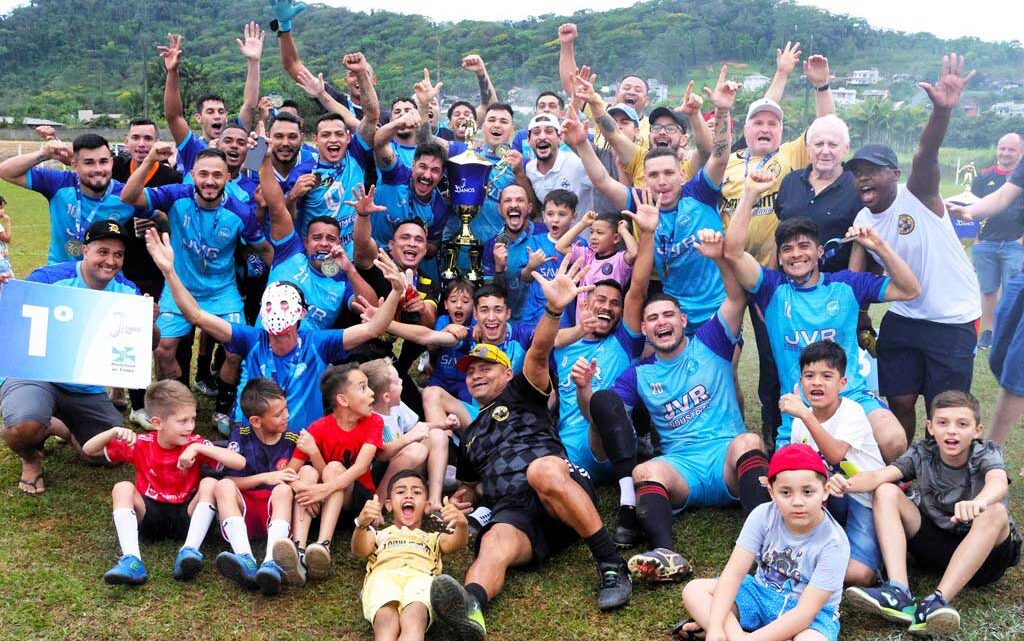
(280, 308)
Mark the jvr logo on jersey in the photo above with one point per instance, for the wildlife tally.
(801, 338)
(690, 406)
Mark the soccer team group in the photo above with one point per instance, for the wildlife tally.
(359, 392)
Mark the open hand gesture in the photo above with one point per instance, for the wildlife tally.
(390, 271)
(563, 289)
(946, 92)
(574, 132)
(252, 45)
(787, 57)
(172, 52)
(159, 247)
(647, 215)
(286, 10)
(816, 70)
(537, 257)
(584, 85)
(363, 203)
(724, 94)
(425, 90)
(313, 86)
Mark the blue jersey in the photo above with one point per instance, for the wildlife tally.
(395, 192)
(242, 187)
(692, 397)
(535, 301)
(403, 153)
(204, 243)
(443, 360)
(488, 222)
(687, 276)
(308, 152)
(71, 211)
(828, 311)
(336, 184)
(298, 372)
(69, 274)
(518, 256)
(325, 296)
(260, 457)
(613, 353)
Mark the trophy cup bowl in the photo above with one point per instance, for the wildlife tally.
(467, 174)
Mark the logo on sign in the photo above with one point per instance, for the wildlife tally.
(122, 356)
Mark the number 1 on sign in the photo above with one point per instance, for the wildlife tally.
(39, 322)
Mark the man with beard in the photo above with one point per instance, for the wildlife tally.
(77, 198)
(548, 102)
(925, 345)
(321, 187)
(306, 150)
(284, 144)
(459, 115)
(400, 132)
(553, 168)
(508, 252)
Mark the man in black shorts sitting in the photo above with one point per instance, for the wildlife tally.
(510, 459)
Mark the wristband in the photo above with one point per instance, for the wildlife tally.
(823, 87)
(280, 26)
(552, 313)
(359, 526)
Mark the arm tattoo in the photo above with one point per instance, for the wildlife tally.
(485, 88)
(607, 124)
(721, 146)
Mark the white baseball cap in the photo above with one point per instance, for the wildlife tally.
(764, 104)
(544, 120)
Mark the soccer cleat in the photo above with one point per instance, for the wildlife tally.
(188, 563)
(127, 571)
(985, 341)
(205, 388)
(223, 423)
(286, 556)
(141, 418)
(268, 578)
(890, 602)
(457, 609)
(659, 565)
(935, 618)
(318, 560)
(616, 586)
(240, 568)
(627, 532)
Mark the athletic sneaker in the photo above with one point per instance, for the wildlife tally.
(206, 388)
(287, 557)
(141, 418)
(985, 341)
(478, 520)
(223, 423)
(188, 563)
(616, 586)
(627, 532)
(127, 571)
(660, 565)
(240, 568)
(889, 601)
(935, 618)
(457, 609)
(318, 560)
(268, 578)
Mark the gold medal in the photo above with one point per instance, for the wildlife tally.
(329, 268)
(73, 248)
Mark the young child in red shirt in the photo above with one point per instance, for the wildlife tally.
(167, 499)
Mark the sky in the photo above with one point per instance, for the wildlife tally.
(991, 20)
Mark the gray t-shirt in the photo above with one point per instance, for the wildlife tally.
(941, 487)
(788, 563)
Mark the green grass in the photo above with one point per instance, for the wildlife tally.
(57, 546)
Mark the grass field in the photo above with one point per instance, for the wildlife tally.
(55, 548)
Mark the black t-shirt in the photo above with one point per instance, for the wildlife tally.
(138, 264)
(516, 429)
(1006, 225)
(834, 210)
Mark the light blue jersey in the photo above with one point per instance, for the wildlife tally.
(404, 153)
(71, 211)
(325, 296)
(336, 184)
(204, 243)
(242, 187)
(535, 301)
(687, 276)
(518, 256)
(613, 353)
(692, 397)
(395, 192)
(828, 311)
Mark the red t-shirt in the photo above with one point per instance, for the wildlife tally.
(156, 468)
(337, 444)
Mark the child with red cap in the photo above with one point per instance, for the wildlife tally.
(801, 554)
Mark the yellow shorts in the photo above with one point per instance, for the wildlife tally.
(403, 587)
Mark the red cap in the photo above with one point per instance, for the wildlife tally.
(709, 115)
(796, 457)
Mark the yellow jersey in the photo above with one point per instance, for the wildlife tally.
(399, 548)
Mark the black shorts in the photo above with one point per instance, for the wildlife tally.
(923, 357)
(525, 512)
(932, 548)
(164, 520)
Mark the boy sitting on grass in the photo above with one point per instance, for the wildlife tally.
(402, 559)
(838, 429)
(959, 528)
(339, 480)
(801, 554)
(168, 499)
(256, 501)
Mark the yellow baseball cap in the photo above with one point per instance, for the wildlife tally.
(484, 352)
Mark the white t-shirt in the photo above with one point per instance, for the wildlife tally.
(398, 422)
(928, 243)
(566, 173)
(850, 425)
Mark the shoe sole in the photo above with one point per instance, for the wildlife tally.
(624, 544)
(318, 563)
(188, 569)
(942, 623)
(118, 579)
(268, 583)
(234, 571)
(650, 570)
(448, 601)
(286, 556)
(860, 600)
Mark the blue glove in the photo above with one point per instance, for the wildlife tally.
(284, 11)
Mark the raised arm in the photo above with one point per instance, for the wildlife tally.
(252, 48)
(945, 94)
(991, 205)
(623, 146)
(316, 89)
(567, 34)
(903, 283)
(284, 12)
(378, 325)
(364, 246)
(281, 223)
(745, 267)
(712, 246)
(786, 60)
(646, 221)
(14, 169)
(134, 191)
(560, 292)
(174, 112)
(564, 244)
(817, 73)
(356, 63)
(723, 97)
(425, 92)
(575, 134)
(488, 95)
(699, 130)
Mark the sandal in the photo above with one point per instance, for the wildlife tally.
(696, 634)
(24, 485)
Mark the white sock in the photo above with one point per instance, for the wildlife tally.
(238, 535)
(127, 526)
(627, 493)
(277, 530)
(202, 517)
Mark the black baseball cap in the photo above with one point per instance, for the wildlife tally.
(660, 112)
(875, 154)
(102, 229)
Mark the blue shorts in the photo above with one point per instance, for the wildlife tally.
(174, 325)
(996, 261)
(703, 469)
(866, 399)
(473, 409)
(1007, 357)
(582, 456)
(759, 605)
(860, 530)
(924, 357)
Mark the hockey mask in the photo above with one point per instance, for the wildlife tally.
(280, 308)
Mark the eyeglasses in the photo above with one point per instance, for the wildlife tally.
(657, 129)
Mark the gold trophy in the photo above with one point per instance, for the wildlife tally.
(468, 175)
